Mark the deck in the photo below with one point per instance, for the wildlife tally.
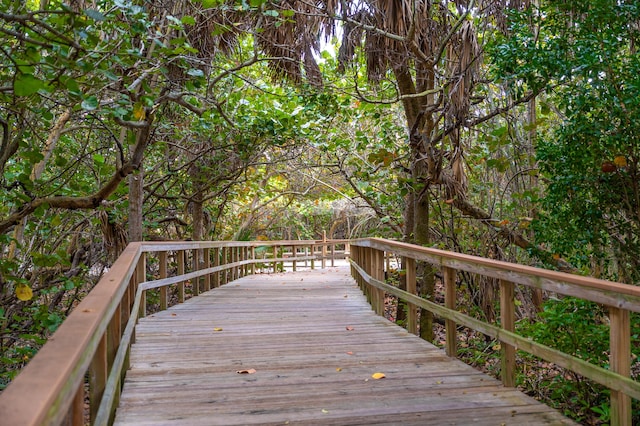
(314, 344)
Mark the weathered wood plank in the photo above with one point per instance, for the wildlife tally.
(314, 343)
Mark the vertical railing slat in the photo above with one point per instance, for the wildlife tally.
(377, 272)
(162, 270)
(508, 323)
(98, 372)
(412, 314)
(620, 362)
(207, 263)
(451, 341)
(180, 254)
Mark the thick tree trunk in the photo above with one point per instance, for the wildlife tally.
(421, 126)
(136, 197)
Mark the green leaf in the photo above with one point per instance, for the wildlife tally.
(73, 87)
(98, 159)
(273, 13)
(195, 72)
(188, 20)
(27, 84)
(90, 103)
(95, 15)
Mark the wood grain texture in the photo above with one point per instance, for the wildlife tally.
(314, 343)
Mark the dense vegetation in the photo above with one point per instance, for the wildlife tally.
(508, 130)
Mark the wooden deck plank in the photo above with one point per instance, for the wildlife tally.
(314, 343)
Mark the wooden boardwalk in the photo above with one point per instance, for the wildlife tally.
(314, 344)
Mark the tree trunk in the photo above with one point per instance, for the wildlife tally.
(136, 197)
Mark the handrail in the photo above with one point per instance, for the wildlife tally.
(95, 338)
(367, 260)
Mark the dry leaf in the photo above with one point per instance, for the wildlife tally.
(349, 353)
(217, 329)
(338, 369)
(174, 315)
(325, 411)
(349, 328)
(378, 376)
(249, 371)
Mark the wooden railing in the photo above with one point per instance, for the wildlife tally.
(368, 268)
(87, 357)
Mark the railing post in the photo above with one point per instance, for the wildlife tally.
(412, 313)
(141, 272)
(324, 249)
(451, 340)
(274, 255)
(216, 262)
(253, 257)
(508, 322)
(377, 272)
(620, 362)
(195, 283)
(162, 260)
(98, 372)
(294, 253)
(333, 255)
(245, 267)
(180, 254)
(207, 264)
(313, 260)
(76, 411)
(223, 261)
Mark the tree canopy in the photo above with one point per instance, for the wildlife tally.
(505, 129)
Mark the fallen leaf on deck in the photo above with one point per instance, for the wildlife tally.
(174, 315)
(349, 328)
(249, 371)
(338, 369)
(378, 376)
(325, 411)
(217, 329)
(349, 353)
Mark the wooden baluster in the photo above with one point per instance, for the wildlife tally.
(620, 362)
(253, 257)
(367, 262)
(207, 265)
(324, 250)
(333, 255)
(76, 413)
(195, 283)
(162, 259)
(451, 341)
(243, 257)
(275, 256)
(98, 372)
(508, 323)
(223, 261)
(141, 273)
(412, 314)
(313, 254)
(377, 272)
(294, 251)
(180, 254)
(216, 262)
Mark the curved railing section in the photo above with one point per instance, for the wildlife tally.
(87, 357)
(368, 268)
